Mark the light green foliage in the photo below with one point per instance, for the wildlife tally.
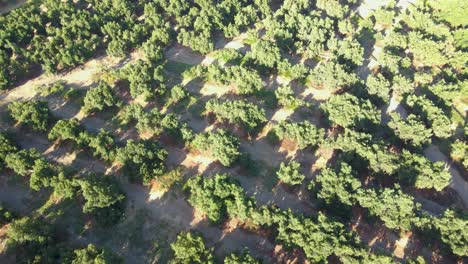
(219, 197)
(103, 197)
(461, 38)
(443, 94)
(93, 255)
(331, 76)
(190, 249)
(142, 160)
(380, 159)
(378, 86)
(384, 17)
(286, 97)
(391, 205)
(246, 81)
(337, 185)
(145, 122)
(265, 53)
(432, 115)
(220, 144)
(103, 145)
(29, 230)
(98, 98)
(227, 55)
(459, 152)
(178, 93)
(21, 162)
(54, 88)
(333, 8)
(411, 130)
(425, 52)
(422, 173)
(289, 173)
(302, 133)
(46, 174)
(145, 79)
(243, 258)
(347, 110)
(348, 49)
(67, 130)
(453, 228)
(452, 11)
(318, 237)
(237, 112)
(32, 113)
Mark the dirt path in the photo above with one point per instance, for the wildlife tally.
(10, 6)
(434, 154)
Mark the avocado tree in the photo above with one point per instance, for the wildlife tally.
(92, 254)
(349, 111)
(190, 248)
(220, 144)
(289, 173)
(96, 99)
(103, 197)
(142, 160)
(303, 133)
(453, 228)
(239, 112)
(22, 162)
(32, 113)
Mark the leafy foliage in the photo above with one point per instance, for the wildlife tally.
(21, 162)
(337, 185)
(411, 130)
(243, 258)
(98, 98)
(392, 206)
(347, 110)
(220, 144)
(432, 115)
(419, 171)
(238, 112)
(454, 232)
(218, 197)
(142, 160)
(92, 254)
(289, 173)
(103, 197)
(33, 113)
(303, 133)
(190, 248)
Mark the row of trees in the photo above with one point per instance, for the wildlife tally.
(102, 195)
(33, 238)
(220, 197)
(410, 168)
(339, 188)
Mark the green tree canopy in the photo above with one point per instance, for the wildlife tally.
(220, 144)
(190, 248)
(32, 113)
